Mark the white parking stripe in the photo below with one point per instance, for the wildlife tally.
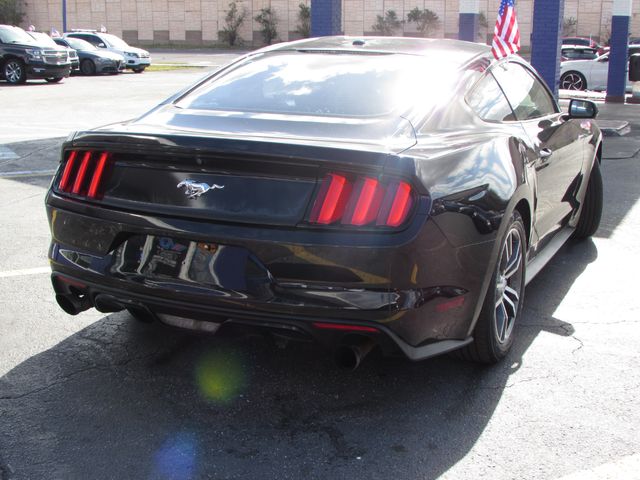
(25, 271)
(26, 173)
(627, 468)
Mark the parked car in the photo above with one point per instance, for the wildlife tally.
(582, 42)
(51, 43)
(136, 59)
(23, 57)
(578, 53)
(332, 189)
(93, 59)
(589, 74)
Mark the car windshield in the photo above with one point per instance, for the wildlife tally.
(78, 44)
(115, 41)
(43, 39)
(15, 35)
(332, 84)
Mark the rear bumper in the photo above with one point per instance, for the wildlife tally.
(414, 287)
(294, 327)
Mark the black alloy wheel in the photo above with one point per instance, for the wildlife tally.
(87, 67)
(15, 71)
(573, 81)
(494, 332)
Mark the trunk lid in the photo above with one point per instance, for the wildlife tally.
(242, 168)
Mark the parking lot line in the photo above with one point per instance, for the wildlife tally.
(25, 271)
(26, 173)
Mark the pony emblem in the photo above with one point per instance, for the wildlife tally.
(195, 189)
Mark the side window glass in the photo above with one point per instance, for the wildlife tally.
(488, 101)
(91, 39)
(527, 96)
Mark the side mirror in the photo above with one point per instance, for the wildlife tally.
(604, 58)
(102, 45)
(582, 109)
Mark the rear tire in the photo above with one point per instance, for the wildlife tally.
(15, 71)
(139, 70)
(87, 67)
(592, 205)
(54, 80)
(493, 334)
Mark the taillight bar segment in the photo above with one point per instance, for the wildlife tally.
(362, 201)
(84, 173)
(332, 199)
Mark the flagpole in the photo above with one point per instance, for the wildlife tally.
(64, 16)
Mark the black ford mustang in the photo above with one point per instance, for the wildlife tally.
(374, 191)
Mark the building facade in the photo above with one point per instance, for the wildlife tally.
(198, 22)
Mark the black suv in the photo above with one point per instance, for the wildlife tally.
(22, 57)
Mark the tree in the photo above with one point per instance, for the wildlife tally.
(268, 20)
(426, 20)
(483, 26)
(569, 26)
(304, 17)
(388, 24)
(10, 12)
(232, 22)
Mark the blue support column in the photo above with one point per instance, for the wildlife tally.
(618, 58)
(326, 17)
(64, 16)
(546, 40)
(468, 22)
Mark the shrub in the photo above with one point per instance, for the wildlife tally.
(268, 22)
(426, 20)
(388, 24)
(232, 22)
(304, 19)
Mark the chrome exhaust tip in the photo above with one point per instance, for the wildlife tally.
(350, 355)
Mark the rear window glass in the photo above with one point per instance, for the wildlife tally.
(324, 84)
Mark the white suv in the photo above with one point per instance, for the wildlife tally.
(136, 59)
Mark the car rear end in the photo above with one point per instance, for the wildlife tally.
(313, 226)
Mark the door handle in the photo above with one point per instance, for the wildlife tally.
(545, 153)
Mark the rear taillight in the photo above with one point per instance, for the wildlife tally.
(84, 173)
(361, 201)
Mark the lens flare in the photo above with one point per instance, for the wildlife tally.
(176, 458)
(221, 377)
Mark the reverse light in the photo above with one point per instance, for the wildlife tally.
(84, 173)
(361, 202)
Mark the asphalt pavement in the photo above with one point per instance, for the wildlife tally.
(104, 397)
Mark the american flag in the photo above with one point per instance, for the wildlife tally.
(506, 35)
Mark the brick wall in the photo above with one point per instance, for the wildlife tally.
(194, 22)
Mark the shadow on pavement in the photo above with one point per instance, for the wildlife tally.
(122, 399)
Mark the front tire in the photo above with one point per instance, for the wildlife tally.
(573, 81)
(139, 70)
(592, 206)
(87, 67)
(494, 332)
(15, 71)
